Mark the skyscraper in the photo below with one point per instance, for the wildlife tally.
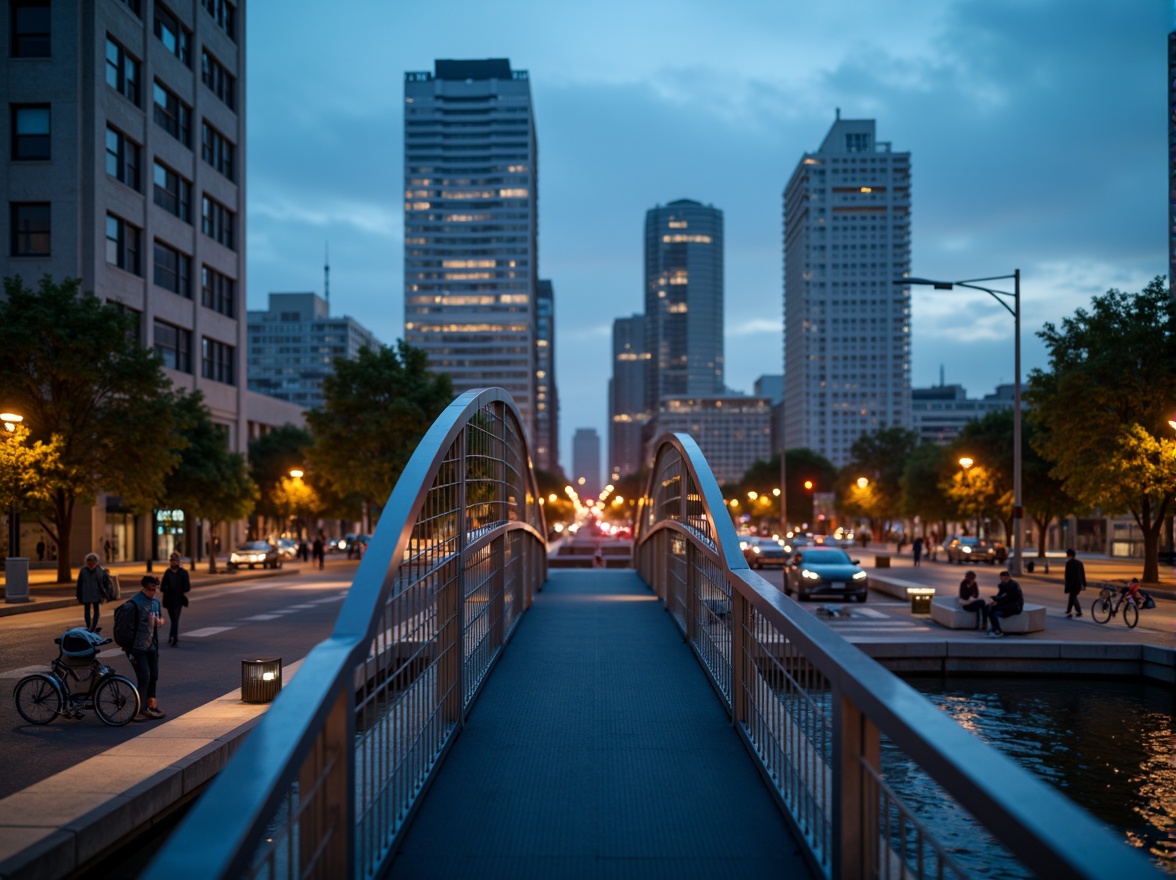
(847, 351)
(125, 167)
(627, 415)
(586, 463)
(683, 301)
(471, 226)
(546, 392)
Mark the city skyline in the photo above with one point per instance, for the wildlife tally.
(1029, 156)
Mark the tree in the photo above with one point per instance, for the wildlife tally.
(209, 482)
(1104, 407)
(73, 367)
(803, 466)
(987, 493)
(20, 463)
(1045, 495)
(921, 495)
(376, 410)
(881, 456)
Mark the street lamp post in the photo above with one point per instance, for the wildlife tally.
(1002, 297)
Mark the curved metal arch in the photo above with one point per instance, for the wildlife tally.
(723, 540)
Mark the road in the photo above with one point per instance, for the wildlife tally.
(283, 616)
(885, 615)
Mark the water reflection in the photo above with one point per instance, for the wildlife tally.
(1108, 744)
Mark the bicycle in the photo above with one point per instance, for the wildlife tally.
(43, 696)
(1106, 605)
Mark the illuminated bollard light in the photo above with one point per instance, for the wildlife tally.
(260, 680)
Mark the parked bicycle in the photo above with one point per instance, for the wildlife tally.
(43, 696)
(1108, 602)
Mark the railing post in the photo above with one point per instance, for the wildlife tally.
(855, 814)
(739, 619)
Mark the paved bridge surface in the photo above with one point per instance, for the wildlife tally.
(598, 750)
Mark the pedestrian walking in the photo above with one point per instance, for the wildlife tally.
(41, 550)
(174, 588)
(917, 549)
(144, 652)
(1075, 583)
(319, 551)
(106, 550)
(93, 589)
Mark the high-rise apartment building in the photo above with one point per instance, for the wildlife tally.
(546, 393)
(124, 165)
(683, 301)
(293, 345)
(471, 226)
(732, 431)
(627, 415)
(586, 463)
(847, 236)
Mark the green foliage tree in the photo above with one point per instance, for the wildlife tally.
(921, 495)
(988, 492)
(881, 456)
(209, 482)
(73, 367)
(1044, 495)
(801, 466)
(20, 464)
(1104, 406)
(376, 410)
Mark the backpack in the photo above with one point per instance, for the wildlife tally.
(126, 624)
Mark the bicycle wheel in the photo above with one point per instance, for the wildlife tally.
(39, 698)
(116, 700)
(1100, 610)
(1131, 614)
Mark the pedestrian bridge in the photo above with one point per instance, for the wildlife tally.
(473, 715)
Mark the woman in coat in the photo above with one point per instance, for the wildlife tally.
(93, 589)
(176, 583)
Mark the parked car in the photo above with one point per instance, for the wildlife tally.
(288, 547)
(965, 549)
(760, 552)
(253, 553)
(825, 571)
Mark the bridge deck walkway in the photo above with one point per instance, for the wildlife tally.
(598, 750)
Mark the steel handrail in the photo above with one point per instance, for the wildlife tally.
(1039, 826)
(220, 836)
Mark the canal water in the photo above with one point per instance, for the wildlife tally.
(1107, 743)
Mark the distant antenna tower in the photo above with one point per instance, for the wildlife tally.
(941, 375)
(327, 272)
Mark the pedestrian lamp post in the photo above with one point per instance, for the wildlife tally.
(11, 420)
(1002, 297)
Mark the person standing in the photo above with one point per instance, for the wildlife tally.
(320, 553)
(144, 652)
(1008, 601)
(41, 550)
(1075, 583)
(93, 589)
(917, 549)
(970, 599)
(176, 583)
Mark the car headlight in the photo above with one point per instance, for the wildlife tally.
(755, 550)
(811, 575)
(859, 576)
(966, 549)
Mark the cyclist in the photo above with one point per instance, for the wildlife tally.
(1133, 592)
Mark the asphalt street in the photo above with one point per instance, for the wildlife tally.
(282, 616)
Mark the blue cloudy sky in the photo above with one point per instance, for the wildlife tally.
(1036, 130)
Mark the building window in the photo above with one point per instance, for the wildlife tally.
(172, 192)
(30, 132)
(29, 27)
(217, 361)
(134, 6)
(224, 14)
(218, 222)
(218, 292)
(122, 71)
(122, 158)
(29, 222)
(173, 270)
(123, 244)
(176, 38)
(173, 345)
(222, 83)
(217, 150)
(173, 115)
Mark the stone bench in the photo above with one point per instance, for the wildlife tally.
(946, 611)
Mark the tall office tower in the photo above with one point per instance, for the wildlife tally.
(847, 236)
(586, 463)
(683, 301)
(627, 415)
(471, 226)
(293, 345)
(125, 166)
(1172, 164)
(546, 393)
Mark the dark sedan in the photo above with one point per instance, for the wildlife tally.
(253, 553)
(825, 571)
(964, 550)
(763, 551)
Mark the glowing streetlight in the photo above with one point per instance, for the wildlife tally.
(296, 473)
(862, 482)
(966, 462)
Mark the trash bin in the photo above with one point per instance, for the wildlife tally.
(920, 599)
(881, 562)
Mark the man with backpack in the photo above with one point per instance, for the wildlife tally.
(135, 625)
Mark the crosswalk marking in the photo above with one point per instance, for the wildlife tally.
(207, 631)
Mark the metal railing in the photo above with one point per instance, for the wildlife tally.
(815, 713)
(329, 777)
